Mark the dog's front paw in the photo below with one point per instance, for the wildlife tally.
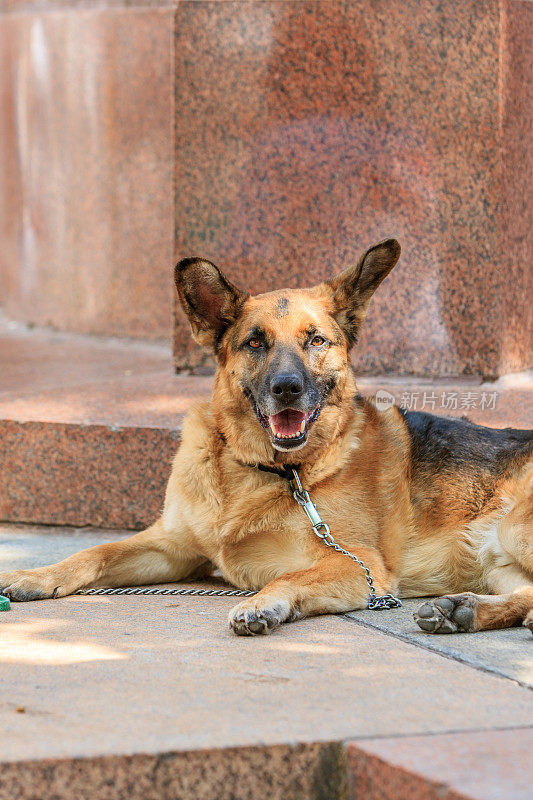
(27, 584)
(253, 618)
(453, 614)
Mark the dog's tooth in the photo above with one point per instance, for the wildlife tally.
(302, 426)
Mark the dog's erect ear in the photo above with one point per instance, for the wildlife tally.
(210, 301)
(352, 290)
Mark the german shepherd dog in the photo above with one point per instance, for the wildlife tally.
(434, 507)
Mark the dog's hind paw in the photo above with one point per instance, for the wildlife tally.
(254, 619)
(451, 614)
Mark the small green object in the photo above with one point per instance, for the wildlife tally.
(5, 604)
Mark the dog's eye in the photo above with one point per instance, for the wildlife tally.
(318, 341)
(255, 344)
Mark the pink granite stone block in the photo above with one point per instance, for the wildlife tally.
(306, 131)
(70, 474)
(283, 772)
(517, 190)
(86, 215)
(476, 765)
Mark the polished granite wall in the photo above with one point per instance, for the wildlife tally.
(86, 201)
(303, 132)
(308, 130)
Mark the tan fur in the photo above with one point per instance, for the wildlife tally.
(220, 511)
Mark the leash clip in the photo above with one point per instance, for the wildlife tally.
(301, 496)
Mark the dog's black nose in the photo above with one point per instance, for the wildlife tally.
(287, 386)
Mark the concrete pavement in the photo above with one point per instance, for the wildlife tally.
(95, 686)
(508, 653)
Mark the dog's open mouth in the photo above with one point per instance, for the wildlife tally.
(288, 424)
(289, 428)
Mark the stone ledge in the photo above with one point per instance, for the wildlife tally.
(486, 765)
(68, 474)
(120, 698)
(89, 426)
(279, 772)
(479, 765)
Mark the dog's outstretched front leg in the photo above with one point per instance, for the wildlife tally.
(333, 585)
(152, 556)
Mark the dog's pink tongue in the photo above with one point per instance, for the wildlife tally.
(287, 423)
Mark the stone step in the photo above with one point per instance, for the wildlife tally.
(478, 765)
(152, 698)
(89, 426)
(486, 765)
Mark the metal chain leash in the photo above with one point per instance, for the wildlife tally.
(320, 528)
(323, 532)
(157, 591)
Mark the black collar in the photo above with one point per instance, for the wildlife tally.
(284, 472)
